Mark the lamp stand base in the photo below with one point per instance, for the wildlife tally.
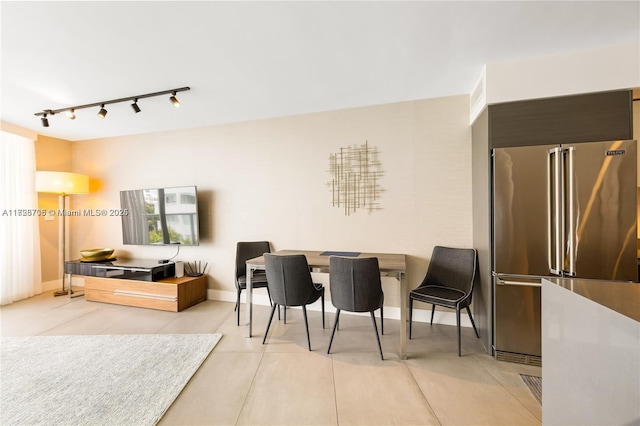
(73, 295)
(61, 293)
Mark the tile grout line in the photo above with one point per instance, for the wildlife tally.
(253, 379)
(255, 374)
(507, 389)
(404, 362)
(335, 394)
(75, 318)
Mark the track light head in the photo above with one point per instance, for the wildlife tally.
(102, 113)
(135, 106)
(174, 100)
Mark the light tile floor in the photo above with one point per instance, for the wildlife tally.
(282, 383)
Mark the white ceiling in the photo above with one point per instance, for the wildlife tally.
(253, 60)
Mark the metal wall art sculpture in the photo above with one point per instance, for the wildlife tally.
(355, 175)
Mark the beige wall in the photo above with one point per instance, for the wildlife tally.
(267, 180)
(53, 155)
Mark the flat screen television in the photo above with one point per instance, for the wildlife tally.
(160, 216)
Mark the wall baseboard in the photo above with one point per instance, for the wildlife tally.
(261, 298)
(51, 285)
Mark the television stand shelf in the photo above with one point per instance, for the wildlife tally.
(164, 293)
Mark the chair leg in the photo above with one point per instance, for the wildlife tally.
(284, 308)
(433, 311)
(335, 326)
(306, 324)
(271, 301)
(375, 327)
(410, 316)
(238, 305)
(322, 308)
(382, 320)
(458, 325)
(273, 310)
(473, 323)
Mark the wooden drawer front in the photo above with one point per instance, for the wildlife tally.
(133, 286)
(127, 300)
(142, 294)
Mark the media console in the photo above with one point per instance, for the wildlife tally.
(140, 283)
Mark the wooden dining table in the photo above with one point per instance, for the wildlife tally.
(391, 264)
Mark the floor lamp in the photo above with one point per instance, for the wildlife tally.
(63, 184)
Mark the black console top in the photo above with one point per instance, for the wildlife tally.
(136, 269)
(124, 263)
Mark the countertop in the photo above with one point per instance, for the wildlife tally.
(622, 297)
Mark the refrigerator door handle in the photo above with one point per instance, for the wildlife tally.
(555, 211)
(516, 279)
(500, 281)
(569, 239)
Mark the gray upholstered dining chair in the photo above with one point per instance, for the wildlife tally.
(290, 284)
(244, 252)
(449, 282)
(355, 286)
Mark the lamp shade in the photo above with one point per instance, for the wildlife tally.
(62, 182)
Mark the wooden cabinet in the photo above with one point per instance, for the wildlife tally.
(169, 294)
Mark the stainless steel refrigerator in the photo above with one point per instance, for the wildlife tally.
(558, 210)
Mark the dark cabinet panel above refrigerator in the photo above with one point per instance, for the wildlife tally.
(567, 119)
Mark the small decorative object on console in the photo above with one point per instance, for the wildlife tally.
(97, 254)
(196, 269)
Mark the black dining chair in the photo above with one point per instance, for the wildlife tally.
(449, 282)
(356, 286)
(290, 284)
(244, 252)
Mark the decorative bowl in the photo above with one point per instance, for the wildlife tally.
(97, 253)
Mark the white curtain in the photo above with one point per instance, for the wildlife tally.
(20, 275)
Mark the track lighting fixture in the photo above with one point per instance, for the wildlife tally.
(174, 100)
(103, 112)
(135, 106)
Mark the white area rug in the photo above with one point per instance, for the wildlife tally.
(96, 380)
